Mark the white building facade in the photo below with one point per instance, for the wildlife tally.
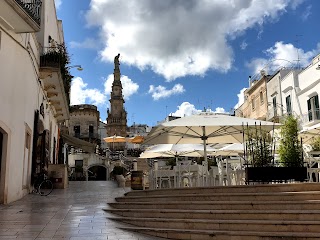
(33, 94)
(308, 93)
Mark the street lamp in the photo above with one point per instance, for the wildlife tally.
(79, 68)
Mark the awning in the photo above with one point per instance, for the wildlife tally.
(76, 142)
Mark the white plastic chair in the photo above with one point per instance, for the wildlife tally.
(214, 176)
(184, 173)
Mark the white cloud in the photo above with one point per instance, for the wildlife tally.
(240, 98)
(58, 3)
(306, 13)
(282, 55)
(88, 43)
(188, 109)
(220, 110)
(178, 38)
(80, 94)
(243, 45)
(128, 86)
(185, 109)
(161, 92)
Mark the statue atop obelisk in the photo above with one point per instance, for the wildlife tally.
(117, 115)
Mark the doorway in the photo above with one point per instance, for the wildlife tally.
(97, 173)
(3, 154)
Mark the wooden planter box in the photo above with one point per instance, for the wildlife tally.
(276, 174)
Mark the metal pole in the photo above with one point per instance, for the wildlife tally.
(204, 138)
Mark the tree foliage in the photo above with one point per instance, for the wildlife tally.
(259, 147)
(290, 148)
(315, 144)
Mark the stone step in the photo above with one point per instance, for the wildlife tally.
(222, 235)
(294, 187)
(272, 196)
(277, 215)
(224, 225)
(222, 205)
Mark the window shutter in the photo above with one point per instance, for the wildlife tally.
(309, 110)
(316, 104)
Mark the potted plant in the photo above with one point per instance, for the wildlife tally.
(315, 147)
(291, 151)
(260, 156)
(291, 157)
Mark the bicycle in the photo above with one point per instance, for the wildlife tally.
(42, 185)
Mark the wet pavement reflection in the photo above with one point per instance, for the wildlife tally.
(74, 213)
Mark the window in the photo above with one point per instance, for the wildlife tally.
(27, 159)
(313, 108)
(274, 105)
(261, 97)
(90, 131)
(76, 131)
(288, 104)
(253, 103)
(78, 165)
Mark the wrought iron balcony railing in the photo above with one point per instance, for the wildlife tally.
(33, 8)
(312, 116)
(51, 57)
(87, 135)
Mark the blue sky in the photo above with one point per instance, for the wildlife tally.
(181, 56)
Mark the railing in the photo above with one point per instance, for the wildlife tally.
(311, 116)
(115, 120)
(57, 57)
(51, 57)
(87, 135)
(33, 8)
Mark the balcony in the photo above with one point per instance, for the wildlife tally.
(273, 115)
(311, 118)
(56, 81)
(21, 16)
(87, 135)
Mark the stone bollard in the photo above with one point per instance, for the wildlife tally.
(121, 180)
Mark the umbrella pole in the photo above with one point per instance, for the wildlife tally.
(204, 138)
(179, 175)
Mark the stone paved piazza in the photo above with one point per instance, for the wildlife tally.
(74, 213)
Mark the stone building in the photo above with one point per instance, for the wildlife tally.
(255, 104)
(84, 123)
(34, 94)
(117, 115)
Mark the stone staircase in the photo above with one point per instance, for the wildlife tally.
(264, 212)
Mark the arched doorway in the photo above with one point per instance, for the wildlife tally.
(3, 155)
(97, 173)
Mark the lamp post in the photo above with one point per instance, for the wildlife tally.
(79, 68)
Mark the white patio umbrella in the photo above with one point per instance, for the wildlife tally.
(206, 128)
(310, 133)
(175, 150)
(230, 149)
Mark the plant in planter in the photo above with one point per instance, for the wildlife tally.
(290, 148)
(291, 158)
(315, 144)
(259, 154)
(259, 148)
